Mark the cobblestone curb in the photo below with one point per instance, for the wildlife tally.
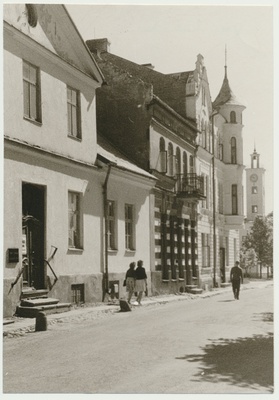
(94, 312)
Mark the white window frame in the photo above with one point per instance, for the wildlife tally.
(31, 92)
(74, 220)
(129, 227)
(112, 224)
(73, 113)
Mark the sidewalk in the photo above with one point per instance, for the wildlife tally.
(15, 327)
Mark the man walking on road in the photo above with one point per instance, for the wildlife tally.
(236, 276)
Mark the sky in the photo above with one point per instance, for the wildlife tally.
(171, 36)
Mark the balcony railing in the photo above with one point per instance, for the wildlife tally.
(190, 186)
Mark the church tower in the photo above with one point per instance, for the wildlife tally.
(228, 111)
(255, 190)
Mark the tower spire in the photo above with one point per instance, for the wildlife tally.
(226, 61)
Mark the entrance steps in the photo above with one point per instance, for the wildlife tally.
(193, 289)
(34, 301)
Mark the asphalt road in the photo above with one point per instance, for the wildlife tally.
(207, 345)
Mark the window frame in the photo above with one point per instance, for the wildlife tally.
(111, 225)
(130, 243)
(233, 150)
(234, 200)
(74, 105)
(254, 189)
(77, 214)
(28, 84)
(205, 241)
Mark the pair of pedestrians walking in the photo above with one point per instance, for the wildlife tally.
(136, 281)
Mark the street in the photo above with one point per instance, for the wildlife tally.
(201, 346)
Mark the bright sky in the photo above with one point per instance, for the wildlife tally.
(171, 37)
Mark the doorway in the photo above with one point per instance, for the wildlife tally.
(33, 235)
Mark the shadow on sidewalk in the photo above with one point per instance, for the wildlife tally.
(244, 362)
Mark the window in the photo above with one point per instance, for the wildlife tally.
(254, 209)
(221, 152)
(220, 198)
(234, 199)
(185, 166)
(31, 92)
(129, 227)
(111, 220)
(254, 189)
(77, 293)
(73, 104)
(233, 150)
(191, 162)
(170, 160)
(205, 250)
(178, 161)
(74, 215)
(162, 157)
(233, 117)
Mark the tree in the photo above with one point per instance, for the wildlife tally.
(260, 239)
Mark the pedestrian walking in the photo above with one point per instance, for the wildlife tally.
(236, 277)
(130, 281)
(141, 281)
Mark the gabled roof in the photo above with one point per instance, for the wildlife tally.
(51, 26)
(105, 150)
(170, 88)
(226, 95)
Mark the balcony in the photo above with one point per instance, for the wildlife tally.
(190, 187)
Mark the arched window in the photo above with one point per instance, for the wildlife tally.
(170, 160)
(233, 151)
(185, 166)
(178, 161)
(191, 162)
(221, 152)
(233, 117)
(234, 200)
(162, 144)
(203, 135)
(162, 156)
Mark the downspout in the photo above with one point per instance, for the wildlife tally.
(105, 205)
(214, 202)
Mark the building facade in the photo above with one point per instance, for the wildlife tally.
(55, 212)
(212, 212)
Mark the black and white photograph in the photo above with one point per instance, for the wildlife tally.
(138, 198)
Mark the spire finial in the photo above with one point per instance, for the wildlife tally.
(255, 151)
(225, 61)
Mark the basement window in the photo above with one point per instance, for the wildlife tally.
(77, 293)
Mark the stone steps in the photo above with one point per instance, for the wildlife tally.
(34, 301)
(193, 289)
(32, 312)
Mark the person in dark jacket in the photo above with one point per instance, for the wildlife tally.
(130, 280)
(236, 277)
(141, 281)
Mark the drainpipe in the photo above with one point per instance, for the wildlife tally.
(105, 193)
(214, 203)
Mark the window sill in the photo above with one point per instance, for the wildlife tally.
(33, 121)
(112, 251)
(74, 250)
(74, 138)
(129, 251)
(165, 280)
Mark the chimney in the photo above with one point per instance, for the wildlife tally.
(149, 65)
(98, 46)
